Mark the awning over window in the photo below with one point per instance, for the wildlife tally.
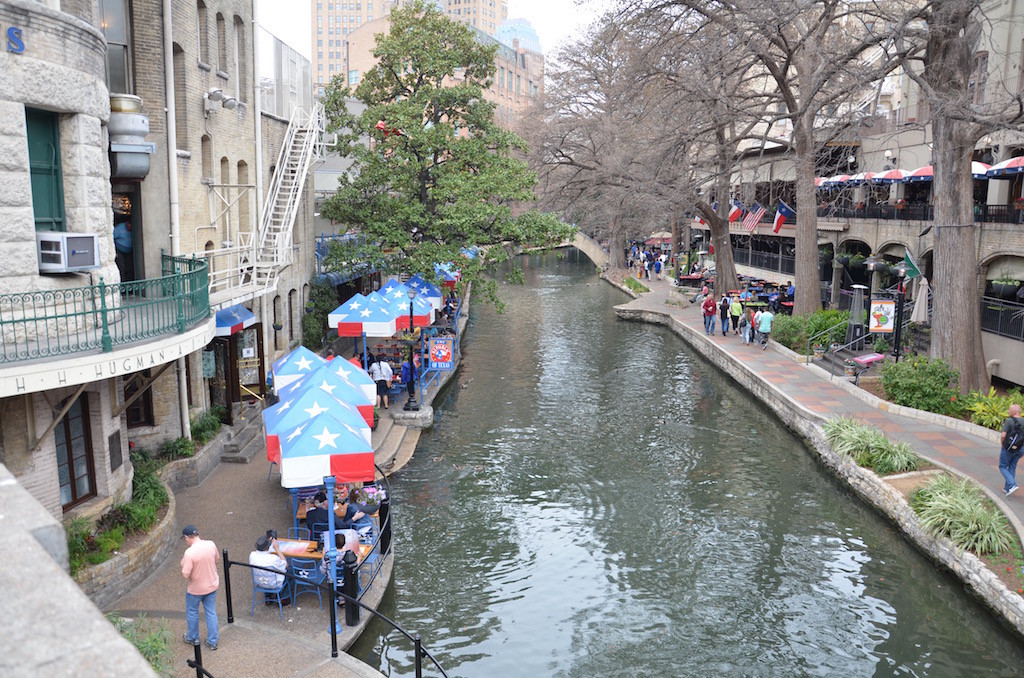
(233, 319)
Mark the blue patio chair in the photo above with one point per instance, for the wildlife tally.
(318, 530)
(271, 593)
(307, 578)
(298, 533)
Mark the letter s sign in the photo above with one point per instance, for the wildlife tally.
(14, 42)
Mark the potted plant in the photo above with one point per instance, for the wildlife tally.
(376, 417)
(850, 368)
(857, 261)
(278, 327)
(819, 350)
(880, 345)
(901, 204)
(1018, 203)
(1005, 287)
(843, 257)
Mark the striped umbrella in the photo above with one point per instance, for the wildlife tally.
(1007, 168)
(893, 176)
(861, 178)
(979, 170)
(920, 174)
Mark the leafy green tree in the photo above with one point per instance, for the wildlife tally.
(432, 173)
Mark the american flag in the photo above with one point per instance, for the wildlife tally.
(753, 217)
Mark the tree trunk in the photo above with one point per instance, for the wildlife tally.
(616, 244)
(808, 289)
(675, 235)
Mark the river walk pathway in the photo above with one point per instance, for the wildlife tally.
(814, 391)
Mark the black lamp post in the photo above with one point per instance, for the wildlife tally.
(411, 403)
(900, 270)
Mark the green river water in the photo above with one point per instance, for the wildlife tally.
(597, 500)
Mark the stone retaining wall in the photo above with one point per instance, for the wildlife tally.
(191, 471)
(978, 579)
(108, 582)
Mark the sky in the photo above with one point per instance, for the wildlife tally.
(556, 21)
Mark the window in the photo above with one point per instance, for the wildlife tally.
(979, 74)
(180, 110)
(242, 178)
(291, 315)
(320, 43)
(115, 25)
(140, 412)
(207, 152)
(204, 34)
(518, 78)
(44, 170)
(241, 62)
(353, 77)
(222, 44)
(74, 454)
(225, 171)
(319, 55)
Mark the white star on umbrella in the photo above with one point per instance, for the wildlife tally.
(295, 434)
(285, 405)
(315, 410)
(365, 313)
(327, 388)
(389, 288)
(303, 363)
(342, 372)
(327, 438)
(413, 284)
(354, 305)
(398, 294)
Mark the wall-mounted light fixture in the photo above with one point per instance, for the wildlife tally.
(215, 95)
(891, 159)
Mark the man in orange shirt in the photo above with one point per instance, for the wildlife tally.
(199, 567)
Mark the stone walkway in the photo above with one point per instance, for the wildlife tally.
(805, 386)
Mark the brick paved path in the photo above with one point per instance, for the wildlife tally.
(970, 454)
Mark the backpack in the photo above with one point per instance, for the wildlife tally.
(1015, 436)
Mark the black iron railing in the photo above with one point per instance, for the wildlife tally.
(1002, 317)
(1004, 214)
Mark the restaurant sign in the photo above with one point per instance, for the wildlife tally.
(882, 318)
(441, 353)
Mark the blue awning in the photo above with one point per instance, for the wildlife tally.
(233, 319)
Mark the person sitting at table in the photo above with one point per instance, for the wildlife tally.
(354, 516)
(773, 301)
(317, 514)
(746, 295)
(350, 543)
(267, 554)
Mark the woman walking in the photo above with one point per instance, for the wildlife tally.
(736, 310)
(723, 311)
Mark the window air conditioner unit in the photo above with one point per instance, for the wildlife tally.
(67, 252)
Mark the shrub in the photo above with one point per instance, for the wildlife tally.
(869, 447)
(794, 332)
(991, 410)
(152, 639)
(206, 426)
(880, 345)
(79, 531)
(635, 285)
(958, 510)
(178, 448)
(791, 332)
(924, 384)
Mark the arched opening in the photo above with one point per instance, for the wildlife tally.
(208, 249)
(241, 63)
(222, 45)
(244, 210)
(207, 152)
(180, 109)
(292, 317)
(204, 33)
(277, 320)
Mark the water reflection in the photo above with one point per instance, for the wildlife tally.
(596, 499)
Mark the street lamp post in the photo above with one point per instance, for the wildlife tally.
(901, 272)
(411, 403)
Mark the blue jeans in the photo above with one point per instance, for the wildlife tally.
(209, 602)
(709, 324)
(1008, 466)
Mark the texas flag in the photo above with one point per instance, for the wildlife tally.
(699, 220)
(784, 212)
(735, 210)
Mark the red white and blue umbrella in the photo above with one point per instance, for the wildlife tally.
(1007, 168)
(818, 182)
(295, 366)
(233, 319)
(448, 274)
(359, 315)
(398, 310)
(321, 447)
(893, 176)
(920, 174)
(979, 170)
(330, 383)
(287, 414)
(422, 311)
(861, 178)
(426, 289)
(354, 375)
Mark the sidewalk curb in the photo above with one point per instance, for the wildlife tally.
(872, 489)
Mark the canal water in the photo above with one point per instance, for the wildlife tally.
(595, 500)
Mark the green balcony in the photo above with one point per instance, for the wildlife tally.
(101, 318)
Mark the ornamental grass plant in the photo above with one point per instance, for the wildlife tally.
(956, 509)
(869, 447)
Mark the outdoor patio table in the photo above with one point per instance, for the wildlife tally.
(300, 548)
(300, 513)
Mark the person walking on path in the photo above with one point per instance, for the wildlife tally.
(764, 326)
(199, 567)
(1012, 447)
(723, 313)
(735, 310)
(709, 308)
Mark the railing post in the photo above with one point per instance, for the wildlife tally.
(417, 646)
(351, 587)
(105, 340)
(334, 620)
(227, 588)
(383, 514)
(178, 287)
(198, 662)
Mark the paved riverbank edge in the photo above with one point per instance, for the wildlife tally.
(975, 575)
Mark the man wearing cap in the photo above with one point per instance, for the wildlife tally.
(199, 567)
(267, 554)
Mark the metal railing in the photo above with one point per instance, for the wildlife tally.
(98, 317)
(429, 375)
(349, 594)
(983, 213)
(768, 261)
(1002, 317)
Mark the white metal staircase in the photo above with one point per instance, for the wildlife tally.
(250, 268)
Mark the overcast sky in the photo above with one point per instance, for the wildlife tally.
(556, 21)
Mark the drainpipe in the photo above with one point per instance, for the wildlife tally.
(258, 124)
(172, 190)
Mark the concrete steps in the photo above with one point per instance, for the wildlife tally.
(247, 439)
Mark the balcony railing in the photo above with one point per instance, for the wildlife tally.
(1002, 317)
(99, 317)
(1002, 214)
(765, 260)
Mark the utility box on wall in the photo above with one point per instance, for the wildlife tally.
(67, 252)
